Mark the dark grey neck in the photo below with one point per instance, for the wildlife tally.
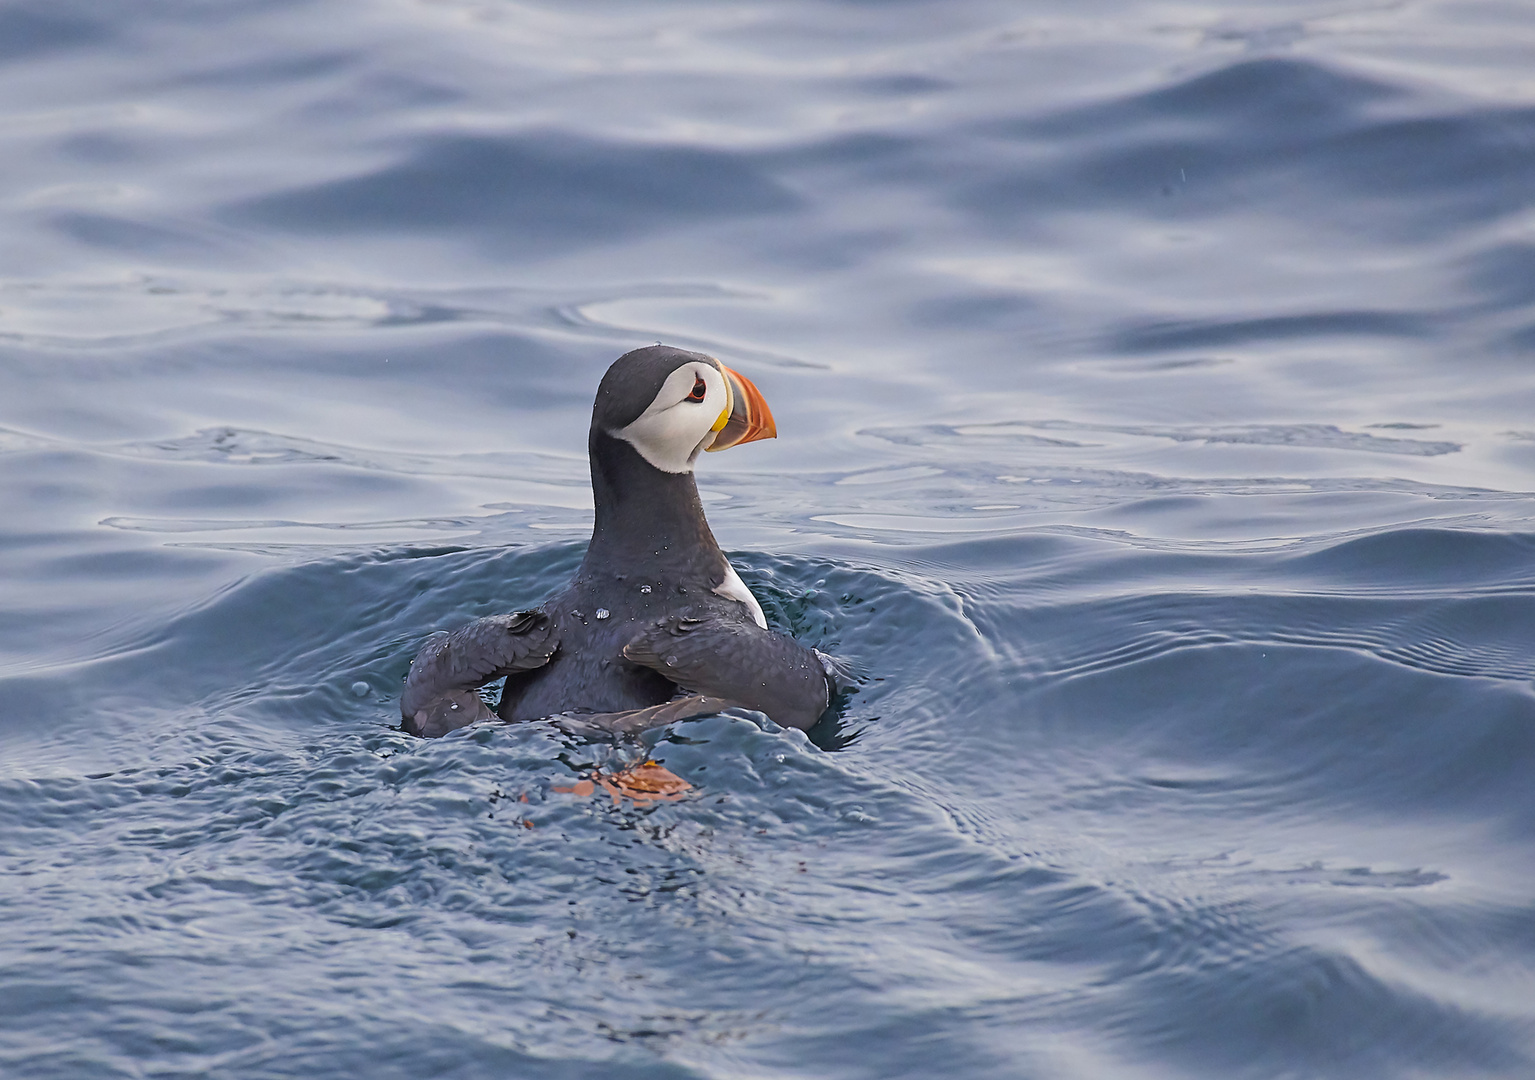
(646, 519)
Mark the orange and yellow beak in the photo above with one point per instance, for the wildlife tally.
(746, 416)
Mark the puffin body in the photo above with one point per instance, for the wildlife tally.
(656, 626)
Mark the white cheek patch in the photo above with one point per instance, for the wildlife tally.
(670, 433)
(733, 588)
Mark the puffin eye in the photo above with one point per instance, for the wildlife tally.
(700, 388)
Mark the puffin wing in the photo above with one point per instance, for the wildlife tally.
(635, 721)
(439, 692)
(740, 662)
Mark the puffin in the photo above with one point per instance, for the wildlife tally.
(656, 626)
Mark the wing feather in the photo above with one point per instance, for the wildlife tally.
(740, 662)
(439, 692)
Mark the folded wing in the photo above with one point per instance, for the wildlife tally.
(439, 692)
(739, 662)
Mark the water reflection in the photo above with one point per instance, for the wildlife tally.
(1154, 447)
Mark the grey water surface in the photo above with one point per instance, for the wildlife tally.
(1157, 444)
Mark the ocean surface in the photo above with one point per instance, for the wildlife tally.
(1155, 385)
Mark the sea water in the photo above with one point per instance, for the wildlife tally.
(1156, 445)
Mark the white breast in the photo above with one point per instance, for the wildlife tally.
(733, 588)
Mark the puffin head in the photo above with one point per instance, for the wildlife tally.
(669, 404)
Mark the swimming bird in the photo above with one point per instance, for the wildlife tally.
(656, 625)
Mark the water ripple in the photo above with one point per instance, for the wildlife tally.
(1154, 452)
